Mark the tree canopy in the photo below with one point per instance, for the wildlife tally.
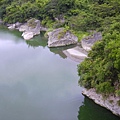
(102, 69)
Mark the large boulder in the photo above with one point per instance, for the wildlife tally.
(14, 26)
(61, 37)
(23, 27)
(11, 26)
(17, 25)
(77, 54)
(27, 35)
(89, 41)
(30, 29)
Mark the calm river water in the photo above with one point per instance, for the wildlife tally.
(38, 83)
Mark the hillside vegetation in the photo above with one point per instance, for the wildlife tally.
(102, 69)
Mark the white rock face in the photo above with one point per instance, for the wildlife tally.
(30, 29)
(77, 54)
(89, 41)
(28, 35)
(23, 28)
(14, 26)
(17, 25)
(60, 37)
(110, 102)
(11, 27)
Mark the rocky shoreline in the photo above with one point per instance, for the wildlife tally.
(31, 28)
(60, 37)
(57, 38)
(110, 102)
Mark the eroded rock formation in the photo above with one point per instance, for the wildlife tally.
(61, 37)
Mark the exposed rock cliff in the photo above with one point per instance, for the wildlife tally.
(89, 41)
(31, 29)
(76, 53)
(61, 37)
(14, 26)
(111, 102)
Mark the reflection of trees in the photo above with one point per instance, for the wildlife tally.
(91, 111)
(59, 50)
(37, 41)
(16, 35)
(40, 40)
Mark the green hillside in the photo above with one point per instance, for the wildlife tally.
(102, 69)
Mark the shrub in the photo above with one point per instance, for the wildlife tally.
(105, 87)
(117, 92)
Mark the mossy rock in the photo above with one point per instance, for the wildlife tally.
(31, 23)
(61, 34)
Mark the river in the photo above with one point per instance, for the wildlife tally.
(38, 83)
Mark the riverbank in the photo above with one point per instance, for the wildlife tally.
(76, 54)
(110, 102)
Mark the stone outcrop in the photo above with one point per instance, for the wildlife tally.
(14, 26)
(77, 54)
(27, 35)
(11, 26)
(61, 37)
(30, 29)
(17, 25)
(23, 27)
(89, 41)
(110, 103)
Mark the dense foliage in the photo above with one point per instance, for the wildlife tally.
(102, 69)
(12, 11)
(79, 15)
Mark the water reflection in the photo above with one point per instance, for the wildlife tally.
(37, 41)
(40, 40)
(37, 84)
(59, 50)
(13, 35)
(91, 111)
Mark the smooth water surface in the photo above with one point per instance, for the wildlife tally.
(38, 83)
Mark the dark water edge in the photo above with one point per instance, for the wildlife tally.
(23, 100)
(91, 111)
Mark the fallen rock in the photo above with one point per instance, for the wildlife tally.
(77, 54)
(11, 26)
(61, 37)
(28, 35)
(29, 29)
(14, 26)
(17, 25)
(110, 103)
(89, 41)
